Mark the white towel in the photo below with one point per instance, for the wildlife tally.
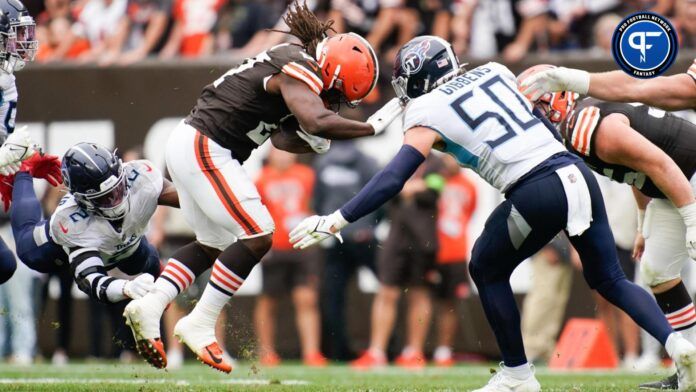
(579, 199)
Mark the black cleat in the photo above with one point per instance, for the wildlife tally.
(671, 382)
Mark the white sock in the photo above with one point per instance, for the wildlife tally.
(174, 279)
(221, 287)
(521, 372)
(671, 344)
(377, 353)
(442, 353)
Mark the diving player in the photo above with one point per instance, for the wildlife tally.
(482, 120)
(98, 226)
(17, 46)
(235, 114)
(655, 153)
(676, 92)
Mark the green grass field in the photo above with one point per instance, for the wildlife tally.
(248, 377)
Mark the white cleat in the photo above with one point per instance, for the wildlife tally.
(503, 382)
(201, 340)
(143, 318)
(685, 360)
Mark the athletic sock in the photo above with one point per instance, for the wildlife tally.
(521, 372)
(229, 272)
(221, 287)
(182, 269)
(679, 310)
(442, 353)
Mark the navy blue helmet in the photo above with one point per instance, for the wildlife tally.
(422, 64)
(24, 27)
(95, 177)
(8, 44)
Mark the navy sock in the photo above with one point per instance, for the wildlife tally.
(8, 263)
(638, 304)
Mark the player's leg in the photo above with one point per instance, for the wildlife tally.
(603, 273)
(229, 199)
(304, 281)
(531, 216)
(453, 286)
(33, 243)
(419, 309)
(274, 287)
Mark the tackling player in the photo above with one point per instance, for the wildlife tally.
(481, 119)
(655, 153)
(17, 46)
(676, 92)
(98, 226)
(235, 114)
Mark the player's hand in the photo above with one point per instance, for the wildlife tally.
(381, 119)
(638, 247)
(318, 144)
(43, 166)
(138, 287)
(6, 190)
(317, 228)
(555, 79)
(17, 148)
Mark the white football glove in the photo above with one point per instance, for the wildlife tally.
(16, 148)
(317, 228)
(381, 119)
(318, 144)
(555, 79)
(688, 213)
(138, 287)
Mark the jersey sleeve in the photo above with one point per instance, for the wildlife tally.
(580, 130)
(8, 104)
(293, 61)
(69, 227)
(148, 172)
(416, 115)
(692, 70)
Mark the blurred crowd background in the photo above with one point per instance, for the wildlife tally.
(123, 32)
(397, 288)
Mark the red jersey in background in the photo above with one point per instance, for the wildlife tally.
(455, 208)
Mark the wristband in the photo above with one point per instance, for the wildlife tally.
(688, 214)
(641, 216)
(339, 222)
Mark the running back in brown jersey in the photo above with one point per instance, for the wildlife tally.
(238, 113)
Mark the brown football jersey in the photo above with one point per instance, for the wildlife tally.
(238, 113)
(673, 135)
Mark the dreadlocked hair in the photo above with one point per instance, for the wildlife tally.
(306, 26)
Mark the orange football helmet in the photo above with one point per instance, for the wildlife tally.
(348, 64)
(556, 106)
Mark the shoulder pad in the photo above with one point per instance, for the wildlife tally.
(582, 129)
(293, 61)
(142, 172)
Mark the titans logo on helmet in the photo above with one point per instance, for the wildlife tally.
(412, 61)
(644, 45)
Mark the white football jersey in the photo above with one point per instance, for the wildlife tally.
(72, 227)
(8, 104)
(486, 123)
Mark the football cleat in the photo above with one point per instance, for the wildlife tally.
(685, 360)
(144, 322)
(203, 343)
(503, 382)
(669, 383)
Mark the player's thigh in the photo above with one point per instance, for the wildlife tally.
(665, 250)
(596, 246)
(531, 216)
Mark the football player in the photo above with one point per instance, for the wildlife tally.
(98, 226)
(17, 46)
(655, 153)
(676, 92)
(481, 119)
(235, 114)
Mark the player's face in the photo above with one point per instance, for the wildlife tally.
(112, 204)
(27, 45)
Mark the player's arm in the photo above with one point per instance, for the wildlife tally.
(386, 184)
(90, 275)
(639, 242)
(313, 116)
(667, 92)
(168, 196)
(616, 142)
